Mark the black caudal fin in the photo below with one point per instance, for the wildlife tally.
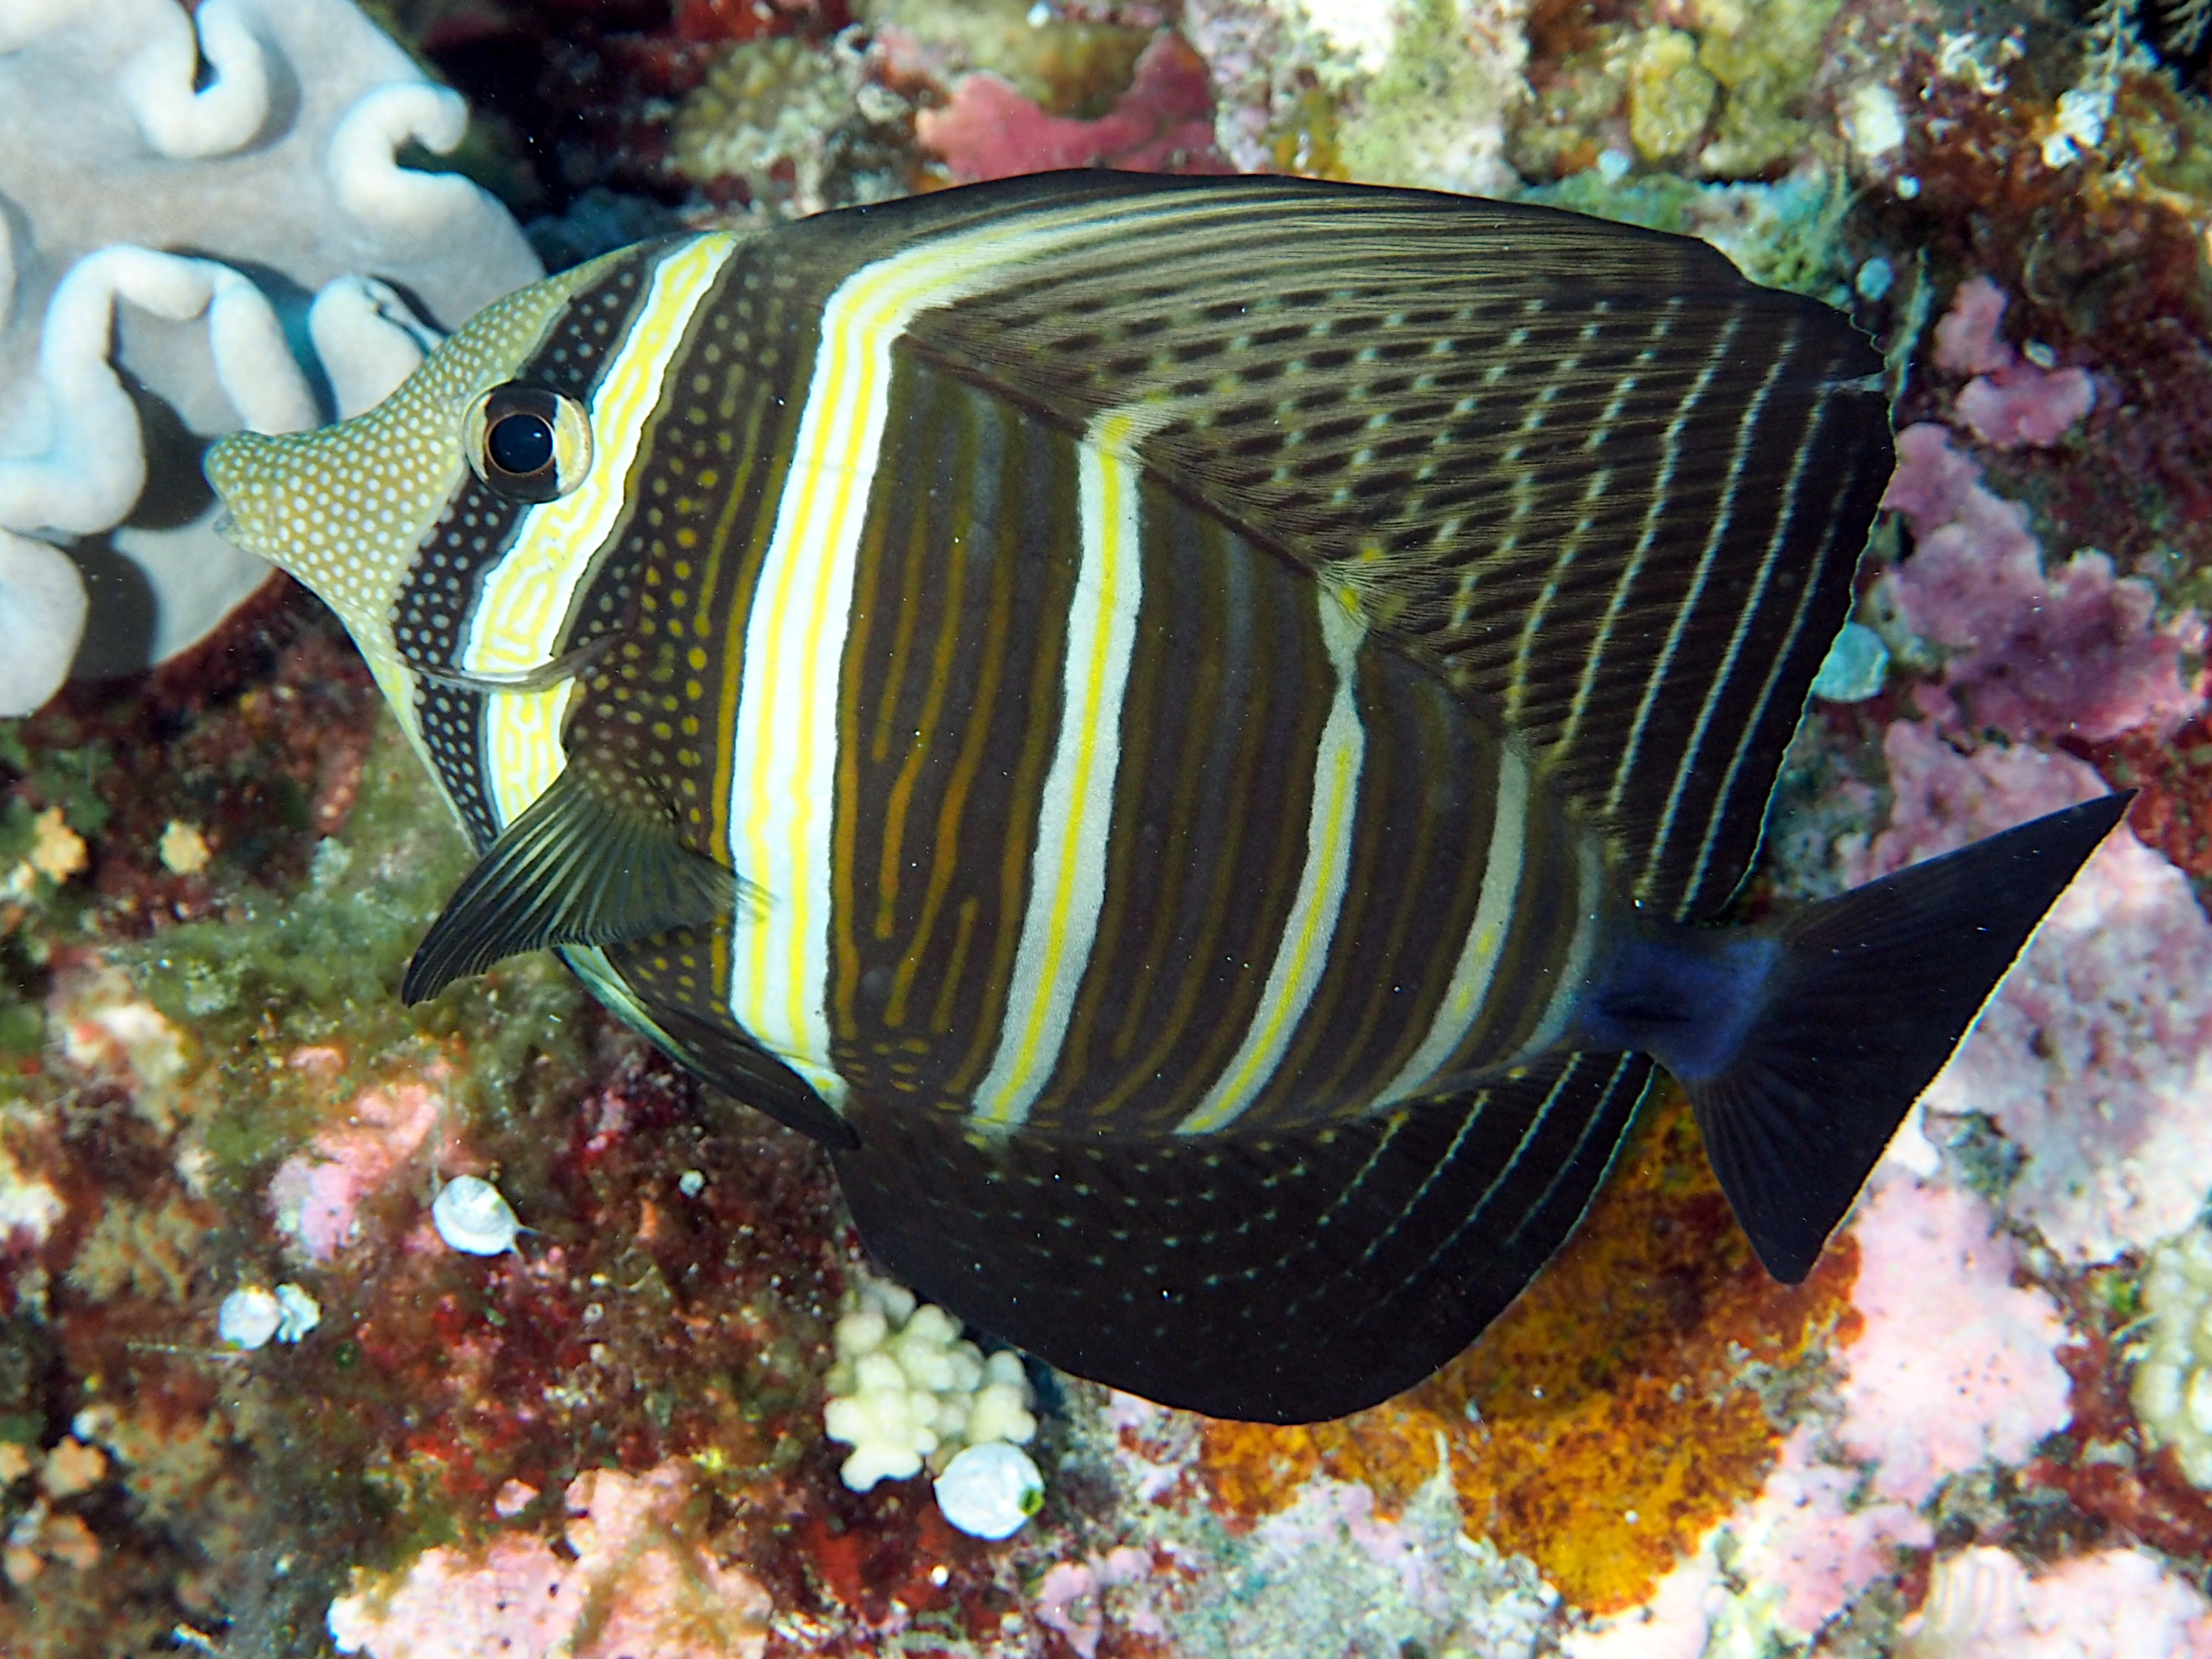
(1872, 991)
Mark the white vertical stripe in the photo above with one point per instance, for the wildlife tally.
(785, 765)
(1067, 873)
(1566, 990)
(1302, 954)
(1479, 955)
(528, 592)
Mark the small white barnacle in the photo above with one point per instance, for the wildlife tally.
(249, 1317)
(990, 1489)
(470, 1215)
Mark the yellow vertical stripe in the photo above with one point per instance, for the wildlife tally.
(1302, 954)
(1582, 945)
(785, 736)
(527, 593)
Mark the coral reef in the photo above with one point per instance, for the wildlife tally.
(1161, 123)
(2077, 652)
(2173, 1390)
(2091, 1054)
(1982, 1604)
(1952, 1363)
(636, 1579)
(905, 1389)
(234, 1331)
(130, 331)
(800, 126)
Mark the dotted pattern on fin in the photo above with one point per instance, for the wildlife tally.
(1286, 1279)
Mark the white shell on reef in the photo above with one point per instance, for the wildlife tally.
(249, 1316)
(989, 1490)
(470, 1215)
(299, 1313)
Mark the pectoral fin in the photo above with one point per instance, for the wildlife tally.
(583, 866)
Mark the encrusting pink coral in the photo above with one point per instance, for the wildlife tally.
(1163, 124)
(2078, 653)
(1803, 1536)
(1802, 1543)
(637, 1583)
(2095, 1056)
(2010, 401)
(1953, 1366)
(318, 1193)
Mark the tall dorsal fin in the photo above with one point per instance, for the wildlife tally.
(1612, 488)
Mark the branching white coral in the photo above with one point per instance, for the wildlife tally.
(907, 1389)
(112, 162)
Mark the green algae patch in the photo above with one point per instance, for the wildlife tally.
(1766, 53)
(1430, 113)
(318, 970)
(1671, 97)
(290, 964)
(1787, 234)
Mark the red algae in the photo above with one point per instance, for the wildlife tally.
(2174, 812)
(2104, 1463)
(1163, 123)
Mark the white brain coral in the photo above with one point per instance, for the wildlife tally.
(237, 248)
(907, 1389)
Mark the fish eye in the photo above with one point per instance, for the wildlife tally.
(521, 442)
(527, 443)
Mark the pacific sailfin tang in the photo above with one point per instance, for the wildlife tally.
(1190, 730)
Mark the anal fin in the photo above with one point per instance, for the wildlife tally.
(582, 865)
(1288, 1280)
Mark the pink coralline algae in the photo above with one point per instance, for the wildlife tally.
(2078, 653)
(2010, 401)
(2115, 1604)
(1163, 124)
(635, 1581)
(1806, 1544)
(1803, 1536)
(2095, 1056)
(1071, 1600)
(318, 1193)
(1953, 1365)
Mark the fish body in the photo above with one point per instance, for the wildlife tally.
(1183, 728)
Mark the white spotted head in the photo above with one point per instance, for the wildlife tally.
(345, 508)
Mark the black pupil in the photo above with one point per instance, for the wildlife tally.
(520, 443)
